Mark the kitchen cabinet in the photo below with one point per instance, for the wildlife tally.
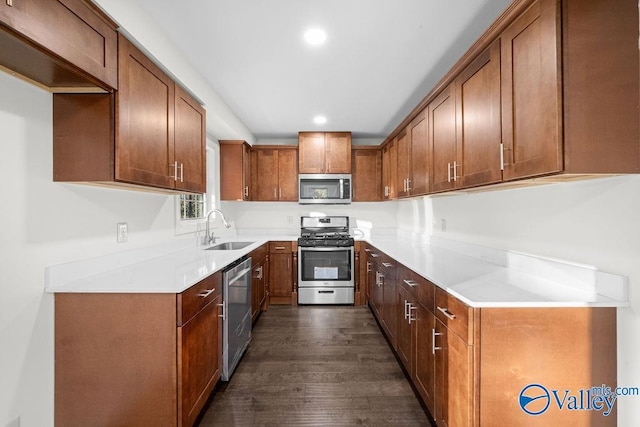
(147, 359)
(259, 275)
(515, 107)
(442, 139)
(384, 294)
(413, 158)
(478, 125)
(235, 170)
(281, 273)
(453, 349)
(61, 44)
(324, 152)
(367, 174)
(389, 170)
(142, 137)
(469, 365)
(275, 173)
(531, 92)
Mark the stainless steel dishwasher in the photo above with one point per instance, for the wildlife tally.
(236, 314)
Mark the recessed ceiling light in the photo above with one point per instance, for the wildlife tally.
(315, 36)
(319, 120)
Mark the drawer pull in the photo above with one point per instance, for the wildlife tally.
(279, 248)
(368, 267)
(387, 264)
(406, 309)
(10, 3)
(367, 250)
(411, 308)
(224, 311)
(434, 334)
(326, 292)
(446, 312)
(375, 255)
(206, 293)
(410, 282)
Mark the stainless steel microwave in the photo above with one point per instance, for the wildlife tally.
(324, 188)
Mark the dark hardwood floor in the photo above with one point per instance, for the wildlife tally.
(316, 366)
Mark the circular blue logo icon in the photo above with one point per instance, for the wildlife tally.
(534, 399)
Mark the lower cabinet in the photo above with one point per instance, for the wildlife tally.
(471, 365)
(137, 359)
(281, 273)
(259, 275)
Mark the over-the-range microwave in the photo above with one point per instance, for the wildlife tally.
(324, 188)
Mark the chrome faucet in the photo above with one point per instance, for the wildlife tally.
(209, 238)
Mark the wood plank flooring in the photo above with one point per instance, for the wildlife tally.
(316, 366)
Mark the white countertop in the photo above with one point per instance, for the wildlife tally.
(484, 277)
(480, 277)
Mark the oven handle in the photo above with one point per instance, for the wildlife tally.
(324, 248)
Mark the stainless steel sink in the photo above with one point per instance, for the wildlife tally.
(229, 246)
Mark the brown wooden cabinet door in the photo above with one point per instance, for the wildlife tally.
(280, 274)
(423, 355)
(311, 152)
(367, 174)
(454, 379)
(389, 306)
(420, 157)
(190, 143)
(234, 170)
(403, 164)
(377, 298)
(73, 30)
(478, 113)
(531, 97)
(389, 170)
(267, 170)
(145, 116)
(337, 154)
(199, 361)
(442, 139)
(404, 330)
(288, 175)
(258, 281)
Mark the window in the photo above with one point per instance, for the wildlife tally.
(191, 209)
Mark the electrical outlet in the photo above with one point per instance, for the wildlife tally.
(123, 232)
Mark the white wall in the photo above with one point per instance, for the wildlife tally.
(47, 223)
(595, 222)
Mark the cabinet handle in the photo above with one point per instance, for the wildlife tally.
(259, 273)
(246, 191)
(368, 267)
(447, 313)
(224, 311)
(434, 334)
(406, 311)
(503, 149)
(279, 193)
(386, 191)
(501, 156)
(411, 308)
(455, 170)
(408, 184)
(387, 264)
(367, 250)
(448, 171)
(181, 172)
(10, 3)
(410, 282)
(279, 248)
(206, 293)
(375, 255)
(175, 170)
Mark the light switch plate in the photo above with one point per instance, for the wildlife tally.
(123, 232)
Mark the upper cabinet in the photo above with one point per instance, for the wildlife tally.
(531, 93)
(275, 173)
(367, 173)
(551, 88)
(149, 135)
(59, 43)
(389, 170)
(324, 152)
(235, 169)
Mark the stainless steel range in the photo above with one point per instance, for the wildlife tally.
(325, 261)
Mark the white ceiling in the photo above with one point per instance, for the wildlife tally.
(380, 59)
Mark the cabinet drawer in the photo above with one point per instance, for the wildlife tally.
(456, 315)
(280, 247)
(418, 286)
(194, 299)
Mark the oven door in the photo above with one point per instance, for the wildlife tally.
(325, 267)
